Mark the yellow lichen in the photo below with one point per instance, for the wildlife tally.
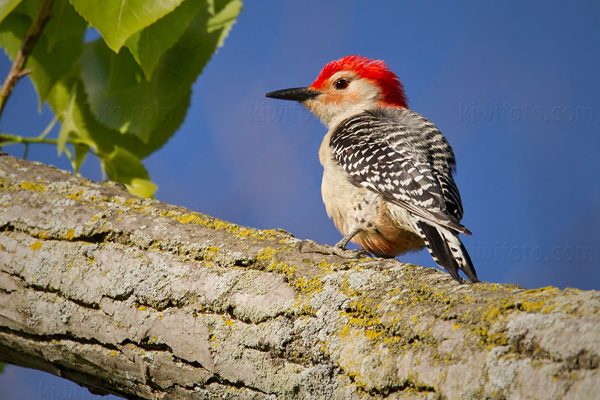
(36, 246)
(266, 254)
(307, 286)
(372, 334)
(244, 232)
(36, 187)
(538, 306)
(210, 253)
(498, 338)
(493, 312)
(75, 196)
(548, 289)
(187, 219)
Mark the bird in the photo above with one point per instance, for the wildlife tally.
(388, 171)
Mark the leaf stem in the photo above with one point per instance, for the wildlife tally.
(31, 37)
(8, 140)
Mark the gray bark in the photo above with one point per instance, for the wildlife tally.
(150, 301)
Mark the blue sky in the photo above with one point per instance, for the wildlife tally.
(512, 85)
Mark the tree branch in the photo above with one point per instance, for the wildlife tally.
(146, 300)
(31, 37)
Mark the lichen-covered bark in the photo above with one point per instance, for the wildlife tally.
(151, 301)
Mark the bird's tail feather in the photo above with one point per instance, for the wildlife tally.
(447, 250)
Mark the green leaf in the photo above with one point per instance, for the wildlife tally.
(141, 187)
(81, 151)
(123, 166)
(137, 110)
(28, 7)
(149, 44)
(79, 124)
(142, 108)
(80, 127)
(191, 53)
(48, 66)
(224, 17)
(124, 72)
(65, 22)
(2, 365)
(68, 99)
(67, 124)
(121, 106)
(6, 7)
(117, 20)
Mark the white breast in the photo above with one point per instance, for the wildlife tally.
(385, 229)
(341, 197)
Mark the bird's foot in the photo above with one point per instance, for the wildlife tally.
(310, 246)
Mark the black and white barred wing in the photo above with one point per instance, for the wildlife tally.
(378, 155)
(427, 143)
(401, 162)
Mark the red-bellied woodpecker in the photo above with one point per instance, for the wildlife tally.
(387, 180)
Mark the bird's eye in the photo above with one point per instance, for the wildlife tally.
(341, 84)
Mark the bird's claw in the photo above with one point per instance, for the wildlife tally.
(350, 254)
(310, 246)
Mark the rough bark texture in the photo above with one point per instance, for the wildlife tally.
(146, 300)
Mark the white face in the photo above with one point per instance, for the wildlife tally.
(343, 95)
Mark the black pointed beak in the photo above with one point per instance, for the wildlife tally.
(296, 94)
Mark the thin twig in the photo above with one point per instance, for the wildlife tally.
(8, 140)
(25, 72)
(31, 38)
(14, 139)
